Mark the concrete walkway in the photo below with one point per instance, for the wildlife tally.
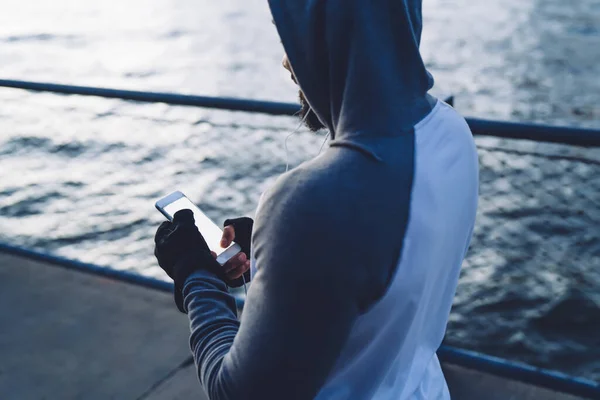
(71, 335)
(66, 334)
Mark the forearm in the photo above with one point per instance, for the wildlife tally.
(283, 348)
(214, 325)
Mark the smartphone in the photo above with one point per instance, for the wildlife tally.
(176, 201)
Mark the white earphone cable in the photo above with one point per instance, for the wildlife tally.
(287, 156)
(324, 141)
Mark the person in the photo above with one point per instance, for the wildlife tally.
(355, 254)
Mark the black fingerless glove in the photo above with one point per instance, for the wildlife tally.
(180, 250)
(243, 236)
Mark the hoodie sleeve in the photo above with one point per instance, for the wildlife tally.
(311, 285)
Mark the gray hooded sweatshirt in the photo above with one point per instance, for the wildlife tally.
(356, 253)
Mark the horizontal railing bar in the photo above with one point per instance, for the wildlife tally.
(223, 103)
(535, 132)
(123, 276)
(499, 367)
(500, 129)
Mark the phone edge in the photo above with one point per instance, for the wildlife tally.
(166, 200)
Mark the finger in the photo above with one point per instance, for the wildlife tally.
(228, 236)
(183, 216)
(235, 262)
(238, 272)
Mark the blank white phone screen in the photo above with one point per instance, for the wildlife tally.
(209, 230)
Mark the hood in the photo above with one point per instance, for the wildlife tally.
(357, 62)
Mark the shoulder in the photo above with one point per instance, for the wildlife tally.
(317, 192)
(345, 192)
(332, 219)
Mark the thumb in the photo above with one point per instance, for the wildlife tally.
(183, 216)
(228, 236)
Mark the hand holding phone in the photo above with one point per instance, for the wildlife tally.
(240, 230)
(176, 201)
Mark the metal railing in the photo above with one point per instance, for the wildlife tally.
(541, 133)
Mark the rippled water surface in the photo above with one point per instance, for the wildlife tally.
(79, 176)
